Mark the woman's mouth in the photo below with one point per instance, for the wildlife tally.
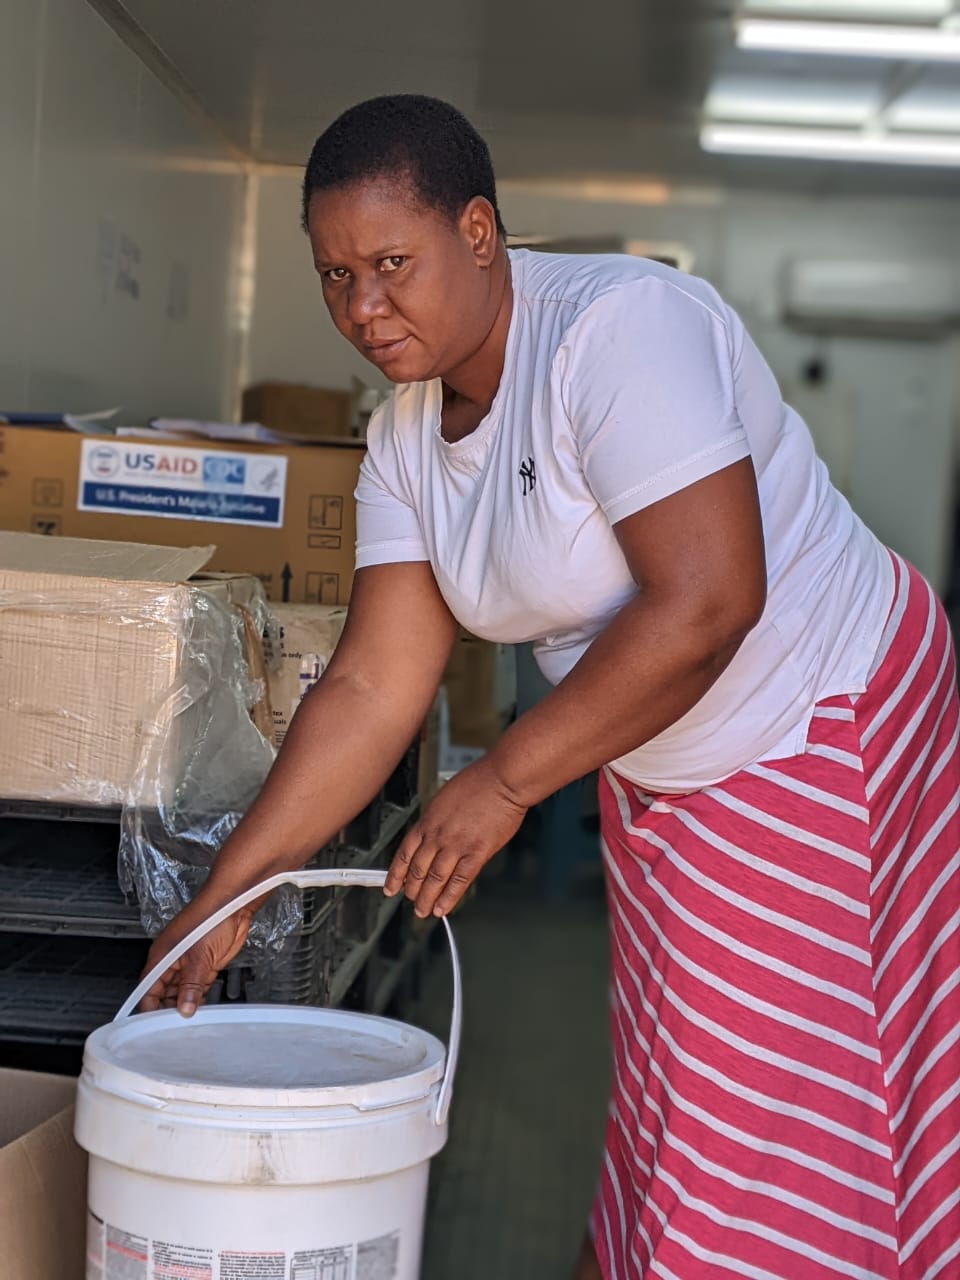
(382, 352)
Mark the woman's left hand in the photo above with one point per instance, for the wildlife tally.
(471, 818)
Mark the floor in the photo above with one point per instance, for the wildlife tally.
(511, 1192)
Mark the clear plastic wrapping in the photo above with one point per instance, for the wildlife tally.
(123, 687)
(171, 835)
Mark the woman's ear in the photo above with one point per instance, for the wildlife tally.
(478, 224)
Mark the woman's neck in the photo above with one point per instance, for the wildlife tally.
(470, 389)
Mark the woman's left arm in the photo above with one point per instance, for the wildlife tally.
(698, 560)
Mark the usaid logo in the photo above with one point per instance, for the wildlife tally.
(104, 461)
(152, 461)
(223, 472)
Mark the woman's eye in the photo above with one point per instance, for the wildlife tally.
(336, 274)
(393, 263)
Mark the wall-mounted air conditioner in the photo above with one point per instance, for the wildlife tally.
(911, 298)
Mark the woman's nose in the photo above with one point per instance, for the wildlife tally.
(367, 301)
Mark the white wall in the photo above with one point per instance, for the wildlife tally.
(120, 223)
(905, 393)
(905, 396)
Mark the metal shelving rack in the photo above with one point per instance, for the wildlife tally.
(68, 886)
(71, 946)
(341, 928)
(55, 990)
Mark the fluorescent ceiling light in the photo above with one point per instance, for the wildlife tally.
(832, 144)
(916, 10)
(776, 101)
(919, 115)
(851, 39)
(785, 110)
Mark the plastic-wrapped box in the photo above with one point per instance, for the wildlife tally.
(124, 684)
(103, 647)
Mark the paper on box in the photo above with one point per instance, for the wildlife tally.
(307, 637)
(182, 482)
(43, 1179)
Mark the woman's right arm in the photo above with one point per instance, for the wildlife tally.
(343, 743)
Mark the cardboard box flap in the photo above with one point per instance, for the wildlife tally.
(43, 1175)
(84, 557)
(29, 1098)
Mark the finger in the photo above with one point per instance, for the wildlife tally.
(196, 975)
(170, 993)
(419, 870)
(241, 929)
(190, 996)
(435, 881)
(160, 989)
(459, 881)
(401, 861)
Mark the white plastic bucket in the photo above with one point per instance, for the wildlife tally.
(261, 1142)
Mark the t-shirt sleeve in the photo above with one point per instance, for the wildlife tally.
(388, 527)
(647, 379)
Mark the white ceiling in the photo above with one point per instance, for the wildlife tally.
(611, 88)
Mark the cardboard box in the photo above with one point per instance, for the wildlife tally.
(481, 685)
(283, 513)
(307, 637)
(95, 641)
(43, 1179)
(298, 410)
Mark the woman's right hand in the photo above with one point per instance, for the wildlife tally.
(188, 979)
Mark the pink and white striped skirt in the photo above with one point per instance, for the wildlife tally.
(786, 996)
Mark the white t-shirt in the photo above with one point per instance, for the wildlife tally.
(624, 381)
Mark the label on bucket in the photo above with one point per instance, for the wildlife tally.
(311, 1264)
(114, 1254)
(253, 1266)
(181, 1262)
(377, 1259)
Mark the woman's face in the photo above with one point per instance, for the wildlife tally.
(405, 285)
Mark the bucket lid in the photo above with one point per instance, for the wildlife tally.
(265, 1056)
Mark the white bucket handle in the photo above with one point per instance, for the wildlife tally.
(314, 880)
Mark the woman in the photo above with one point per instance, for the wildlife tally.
(591, 454)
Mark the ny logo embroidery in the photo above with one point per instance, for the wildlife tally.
(528, 476)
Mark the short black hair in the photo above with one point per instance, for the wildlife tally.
(426, 141)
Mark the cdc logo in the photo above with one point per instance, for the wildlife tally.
(104, 461)
(221, 471)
